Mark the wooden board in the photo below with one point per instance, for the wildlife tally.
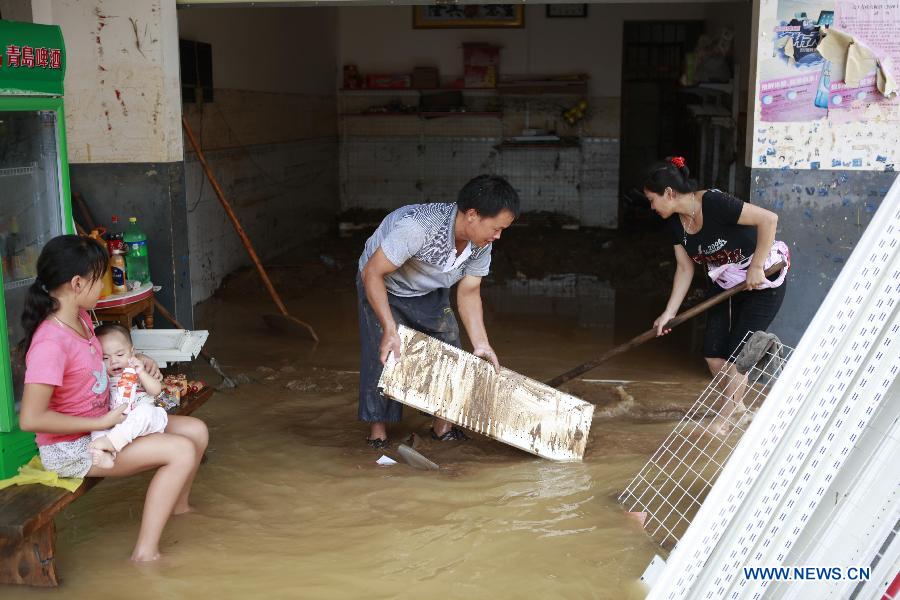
(457, 386)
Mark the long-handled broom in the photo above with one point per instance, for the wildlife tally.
(651, 333)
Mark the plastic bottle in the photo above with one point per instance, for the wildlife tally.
(117, 265)
(127, 388)
(107, 281)
(114, 236)
(136, 253)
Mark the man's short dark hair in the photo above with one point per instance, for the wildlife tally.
(489, 195)
(108, 328)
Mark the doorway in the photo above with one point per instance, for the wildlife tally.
(654, 122)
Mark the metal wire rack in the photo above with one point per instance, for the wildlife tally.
(669, 489)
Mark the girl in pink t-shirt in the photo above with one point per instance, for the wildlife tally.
(66, 392)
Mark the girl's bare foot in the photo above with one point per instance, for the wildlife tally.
(183, 511)
(144, 556)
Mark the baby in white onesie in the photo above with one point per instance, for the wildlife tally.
(129, 383)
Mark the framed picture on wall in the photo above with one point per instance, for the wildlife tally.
(562, 11)
(461, 16)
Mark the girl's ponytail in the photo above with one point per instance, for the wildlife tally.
(62, 258)
(38, 305)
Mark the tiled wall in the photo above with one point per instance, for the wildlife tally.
(281, 192)
(385, 172)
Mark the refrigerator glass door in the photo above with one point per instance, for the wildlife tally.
(30, 214)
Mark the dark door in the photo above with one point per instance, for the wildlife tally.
(654, 123)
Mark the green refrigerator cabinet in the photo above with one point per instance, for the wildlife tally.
(34, 198)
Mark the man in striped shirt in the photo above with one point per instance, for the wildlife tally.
(405, 274)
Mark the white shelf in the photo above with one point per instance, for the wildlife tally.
(169, 345)
(18, 283)
(17, 171)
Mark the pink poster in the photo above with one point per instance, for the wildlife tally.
(843, 95)
(875, 23)
(793, 77)
(791, 98)
(796, 83)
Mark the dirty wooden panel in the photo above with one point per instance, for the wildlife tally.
(459, 387)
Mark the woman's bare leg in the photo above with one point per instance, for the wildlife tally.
(176, 458)
(733, 403)
(195, 430)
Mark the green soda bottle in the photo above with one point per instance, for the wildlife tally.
(137, 263)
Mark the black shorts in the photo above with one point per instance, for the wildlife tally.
(727, 323)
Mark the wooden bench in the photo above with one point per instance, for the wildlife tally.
(27, 531)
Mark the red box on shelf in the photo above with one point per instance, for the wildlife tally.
(481, 65)
(388, 82)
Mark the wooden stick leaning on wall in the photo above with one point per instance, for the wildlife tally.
(284, 321)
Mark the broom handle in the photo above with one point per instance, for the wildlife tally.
(234, 220)
(651, 333)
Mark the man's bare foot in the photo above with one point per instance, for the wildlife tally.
(441, 427)
(145, 556)
(378, 431)
(103, 453)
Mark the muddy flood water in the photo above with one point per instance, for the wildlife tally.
(291, 504)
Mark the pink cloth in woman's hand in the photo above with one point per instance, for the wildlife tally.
(730, 274)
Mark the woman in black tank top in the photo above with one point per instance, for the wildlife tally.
(715, 229)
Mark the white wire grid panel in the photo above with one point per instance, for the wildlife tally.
(669, 489)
